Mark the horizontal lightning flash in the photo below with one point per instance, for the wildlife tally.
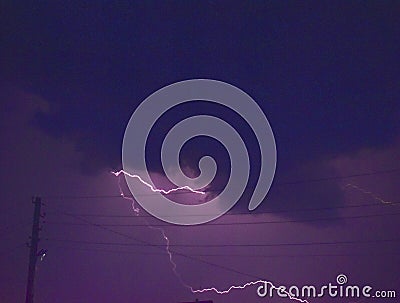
(251, 283)
(222, 292)
(370, 193)
(156, 190)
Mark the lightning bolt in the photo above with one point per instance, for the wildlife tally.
(162, 231)
(369, 193)
(167, 241)
(251, 283)
(156, 190)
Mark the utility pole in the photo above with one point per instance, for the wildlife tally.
(33, 254)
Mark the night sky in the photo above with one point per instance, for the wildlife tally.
(327, 76)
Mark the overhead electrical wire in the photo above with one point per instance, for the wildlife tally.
(226, 268)
(246, 213)
(228, 255)
(141, 242)
(322, 179)
(232, 245)
(236, 223)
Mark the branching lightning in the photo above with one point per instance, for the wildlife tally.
(222, 292)
(251, 283)
(156, 190)
(167, 241)
(162, 231)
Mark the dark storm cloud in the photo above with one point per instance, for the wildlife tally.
(325, 79)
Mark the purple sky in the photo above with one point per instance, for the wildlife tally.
(326, 77)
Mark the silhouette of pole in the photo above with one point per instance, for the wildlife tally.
(33, 249)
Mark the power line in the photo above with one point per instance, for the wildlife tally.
(229, 244)
(312, 180)
(187, 256)
(244, 213)
(378, 172)
(226, 268)
(227, 255)
(236, 223)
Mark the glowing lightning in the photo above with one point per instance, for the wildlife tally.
(221, 292)
(166, 192)
(370, 193)
(137, 210)
(174, 266)
(167, 247)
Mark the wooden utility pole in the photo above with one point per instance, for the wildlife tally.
(33, 254)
